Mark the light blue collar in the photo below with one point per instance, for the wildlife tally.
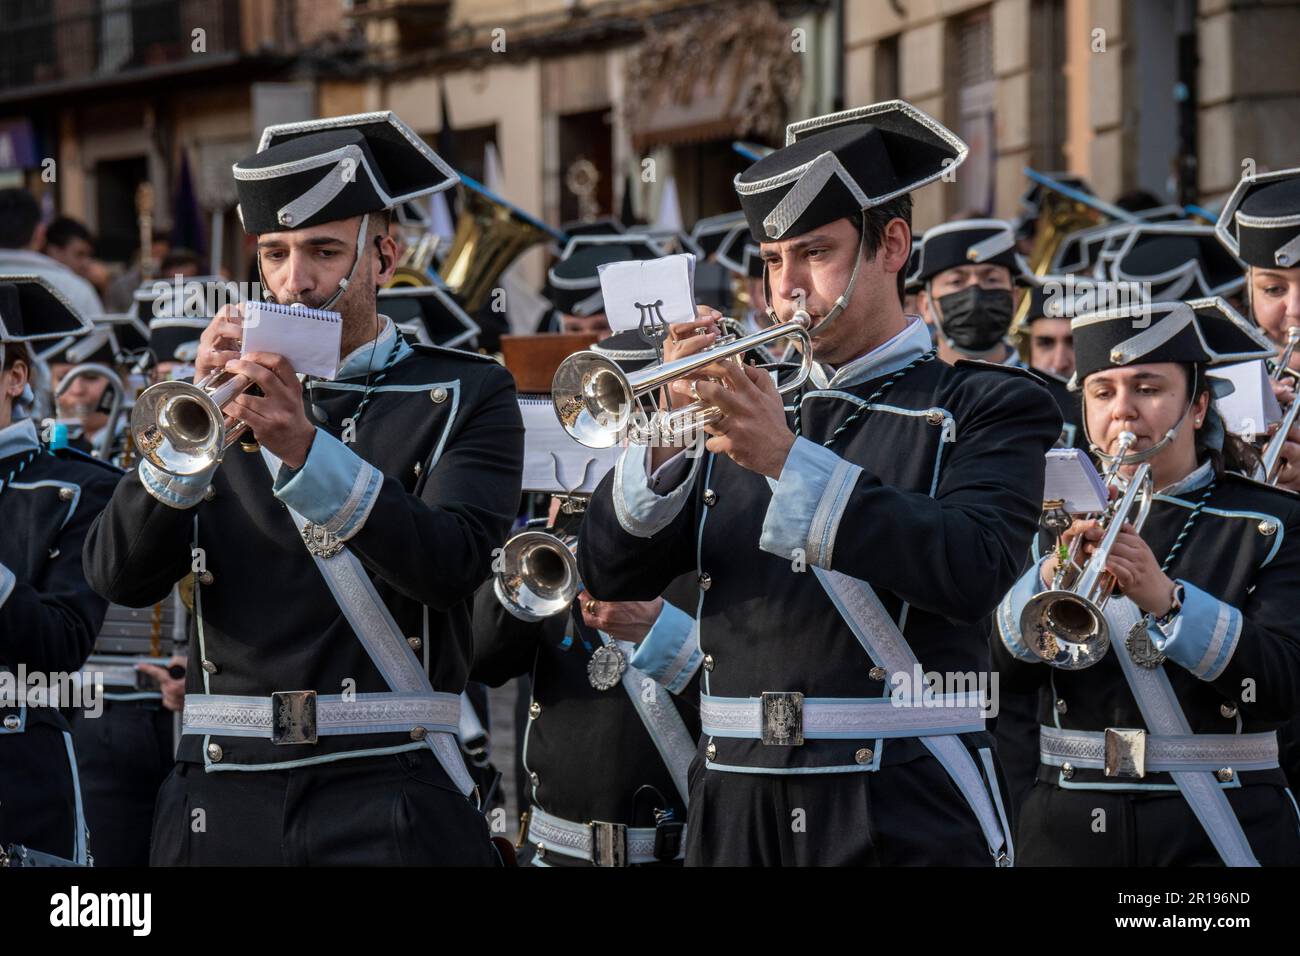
(1013, 360)
(907, 346)
(1190, 482)
(372, 356)
(18, 438)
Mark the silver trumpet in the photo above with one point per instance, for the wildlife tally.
(1272, 455)
(539, 575)
(1066, 625)
(594, 398)
(182, 428)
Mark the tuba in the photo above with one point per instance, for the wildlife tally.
(1272, 455)
(594, 398)
(539, 575)
(1066, 625)
(491, 233)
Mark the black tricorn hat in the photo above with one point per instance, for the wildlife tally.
(1206, 331)
(428, 314)
(965, 242)
(32, 310)
(573, 283)
(708, 233)
(602, 226)
(739, 254)
(1180, 260)
(837, 165)
(323, 170)
(175, 338)
(1067, 296)
(1260, 222)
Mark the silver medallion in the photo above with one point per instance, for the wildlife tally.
(322, 543)
(606, 667)
(1141, 648)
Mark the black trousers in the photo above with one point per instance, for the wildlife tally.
(38, 802)
(394, 810)
(908, 814)
(123, 756)
(1060, 827)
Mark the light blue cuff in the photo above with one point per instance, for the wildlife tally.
(1030, 583)
(335, 487)
(8, 579)
(1203, 636)
(173, 491)
(641, 511)
(807, 503)
(670, 652)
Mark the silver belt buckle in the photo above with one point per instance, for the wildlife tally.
(293, 717)
(1126, 752)
(608, 843)
(782, 719)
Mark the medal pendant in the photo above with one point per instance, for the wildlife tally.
(606, 667)
(1141, 648)
(322, 543)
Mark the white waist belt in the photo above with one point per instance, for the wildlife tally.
(783, 718)
(229, 715)
(1087, 749)
(579, 840)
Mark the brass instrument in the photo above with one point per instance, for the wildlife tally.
(539, 575)
(594, 398)
(412, 269)
(182, 427)
(1272, 456)
(1066, 625)
(490, 235)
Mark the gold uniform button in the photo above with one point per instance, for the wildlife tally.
(710, 751)
(864, 755)
(215, 753)
(418, 733)
(66, 494)
(534, 709)
(876, 673)
(1228, 710)
(1267, 528)
(708, 662)
(205, 577)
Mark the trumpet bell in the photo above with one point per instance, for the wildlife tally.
(1064, 629)
(593, 398)
(539, 576)
(178, 427)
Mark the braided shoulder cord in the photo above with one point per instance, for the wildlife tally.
(865, 406)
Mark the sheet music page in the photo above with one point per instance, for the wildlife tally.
(1072, 477)
(554, 462)
(661, 288)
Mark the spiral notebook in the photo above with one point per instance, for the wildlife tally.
(308, 338)
(553, 462)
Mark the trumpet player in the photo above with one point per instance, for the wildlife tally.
(1259, 226)
(1201, 625)
(336, 547)
(840, 544)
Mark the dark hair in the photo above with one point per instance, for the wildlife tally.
(16, 352)
(1237, 455)
(873, 221)
(19, 215)
(179, 256)
(63, 230)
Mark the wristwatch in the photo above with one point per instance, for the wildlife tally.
(1167, 618)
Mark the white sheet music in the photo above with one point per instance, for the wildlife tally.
(1252, 406)
(308, 338)
(554, 462)
(1072, 477)
(664, 286)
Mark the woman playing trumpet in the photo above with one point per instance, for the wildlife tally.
(1203, 639)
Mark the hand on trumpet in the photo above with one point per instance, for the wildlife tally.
(1289, 468)
(220, 341)
(276, 416)
(685, 338)
(622, 620)
(1135, 568)
(752, 431)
